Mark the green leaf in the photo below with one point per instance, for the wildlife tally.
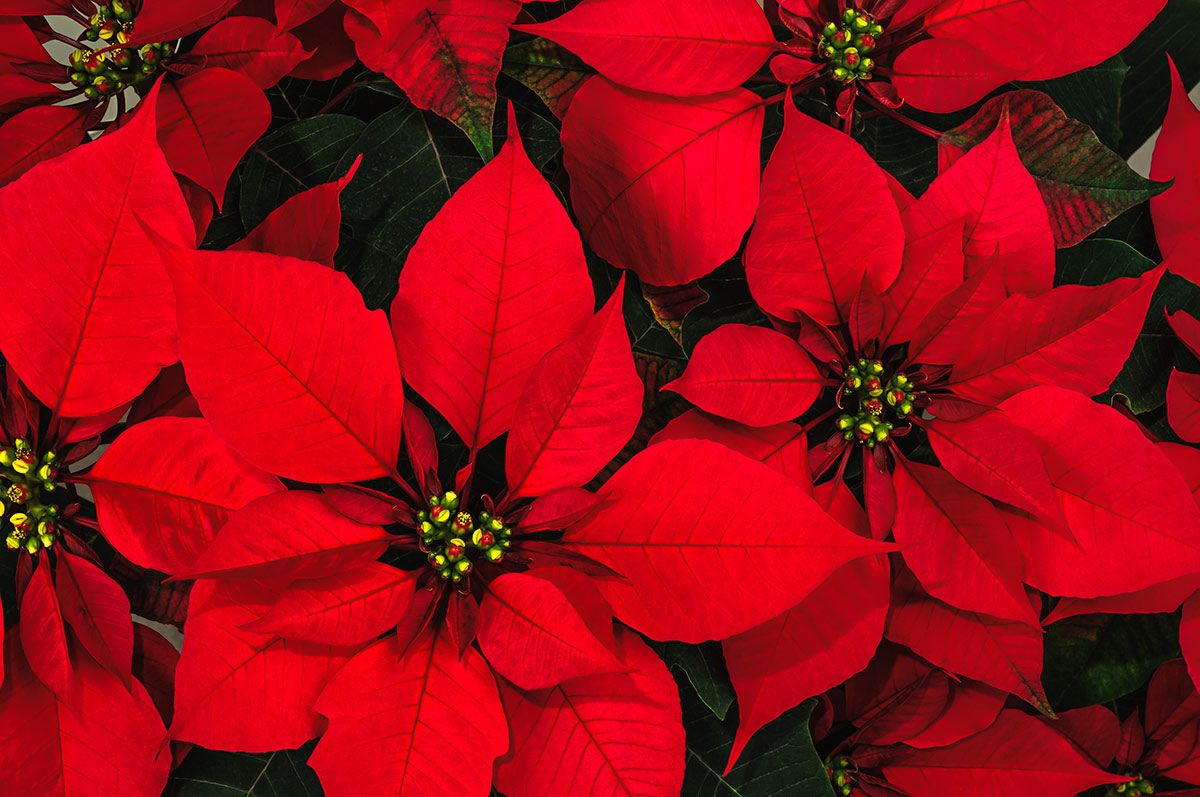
(730, 302)
(909, 156)
(551, 72)
(1148, 86)
(704, 667)
(1085, 185)
(210, 773)
(1096, 658)
(1091, 96)
(539, 128)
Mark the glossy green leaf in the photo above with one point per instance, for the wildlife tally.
(1147, 87)
(704, 667)
(211, 773)
(1091, 96)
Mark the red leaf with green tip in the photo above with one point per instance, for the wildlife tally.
(782, 447)
(156, 506)
(702, 47)
(43, 635)
(604, 734)
(394, 723)
(806, 252)
(252, 47)
(1177, 212)
(944, 75)
(754, 375)
(494, 282)
(98, 612)
(1183, 404)
(664, 186)
(37, 134)
(1084, 184)
(549, 71)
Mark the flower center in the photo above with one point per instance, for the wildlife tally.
(107, 70)
(846, 46)
(455, 541)
(1130, 789)
(25, 479)
(878, 402)
(841, 774)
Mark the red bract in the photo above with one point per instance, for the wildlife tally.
(1176, 214)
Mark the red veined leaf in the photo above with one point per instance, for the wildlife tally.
(154, 661)
(290, 534)
(944, 75)
(1171, 700)
(166, 486)
(807, 649)
(326, 34)
(305, 226)
(952, 323)
(893, 673)
(251, 46)
(558, 509)
(202, 139)
(578, 408)
(1133, 740)
(699, 48)
(393, 721)
(992, 456)
(805, 251)
(584, 597)
(754, 375)
(1164, 597)
(1187, 328)
(1189, 635)
(362, 505)
(973, 707)
(911, 712)
(549, 71)
(1001, 653)
(958, 545)
(932, 268)
(533, 636)
(1183, 404)
(444, 54)
(782, 447)
(43, 635)
(1094, 729)
(1177, 212)
(1015, 751)
(240, 690)
(34, 7)
(691, 548)
(288, 365)
(1131, 516)
(96, 608)
(90, 342)
(105, 741)
(421, 445)
(494, 282)
(292, 13)
(1104, 28)
(37, 134)
(605, 734)
(666, 187)
(1073, 336)
(346, 608)
(168, 20)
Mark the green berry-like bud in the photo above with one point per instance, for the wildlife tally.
(495, 554)
(463, 566)
(123, 11)
(841, 74)
(875, 30)
(860, 24)
(845, 422)
(904, 408)
(866, 65)
(80, 78)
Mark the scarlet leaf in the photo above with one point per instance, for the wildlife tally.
(166, 486)
(43, 635)
(37, 134)
(98, 612)
(288, 366)
(252, 47)
(154, 661)
(750, 374)
(579, 407)
(783, 446)
(605, 734)
(691, 547)
(1183, 405)
(805, 252)
(291, 13)
(89, 342)
(239, 690)
(1176, 214)
(944, 75)
(973, 707)
(392, 723)
(932, 267)
(699, 48)
(663, 186)
(162, 20)
(289, 534)
(548, 71)
(495, 282)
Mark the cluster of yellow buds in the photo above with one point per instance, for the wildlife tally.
(109, 70)
(846, 46)
(453, 541)
(863, 383)
(1132, 788)
(841, 774)
(33, 524)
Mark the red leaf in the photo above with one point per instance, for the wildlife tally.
(325, 33)
(1177, 211)
(98, 612)
(534, 637)
(805, 251)
(89, 342)
(347, 608)
(605, 734)
(579, 407)
(394, 724)
(1187, 329)
(692, 547)
(37, 134)
(1094, 729)
(1183, 405)
(202, 139)
(166, 486)
(1189, 635)
(698, 48)
(105, 742)
(238, 690)
(445, 54)
(290, 534)
(973, 707)
(1016, 751)
(754, 375)
(168, 20)
(1132, 519)
(494, 282)
(291, 13)
(558, 509)
(932, 268)
(783, 446)
(288, 366)
(154, 661)
(167, 395)
(944, 75)
(663, 186)
(43, 635)
(252, 47)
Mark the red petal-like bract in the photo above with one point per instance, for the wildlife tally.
(292, 13)
(287, 364)
(1015, 754)
(35, 135)
(805, 251)
(494, 282)
(933, 267)
(43, 635)
(154, 662)
(1176, 212)
(1183, 405)
(663, 46)
(88, 321)
(104, 742)
(579, 407)
(750, 374)
(692, 547)
(166, 486)
(944, 75)
(782, 446)
(1132, 519)
(618, 734)
(240, 690)
(428, 723)
(663, 186)
(252, 47)
(167, 20)
(97, 610)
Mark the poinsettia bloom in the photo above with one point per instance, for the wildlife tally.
(1177, 211)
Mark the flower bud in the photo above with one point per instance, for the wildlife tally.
(873, 407)
(840, 40)
(865, 430)
(47, 473)
(875, 368)
(874, 387)
(150, 54)
(32, 544)
(866, 65)
(439, 514)
(845, 422)
(455, 550)
(462, 523)
(875, 30)
(495, 554)
(122, 10)
(881, 435)
(904, 408)
(80, 79)
(841, 74)
(437, 560)
(849, 15)
(850, 57)
(495, 524)
(463, 567)
(829, 29)
(12, 542)
(865, 43)
(17, 493)
(123, 59)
